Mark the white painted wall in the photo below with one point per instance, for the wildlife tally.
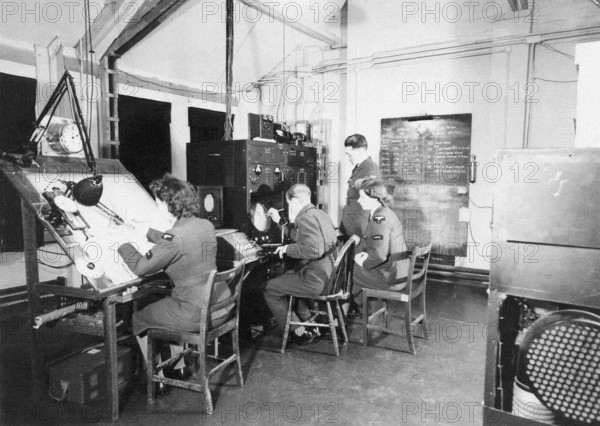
(383, 82)
(379, 74)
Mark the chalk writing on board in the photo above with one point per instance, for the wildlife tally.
(425, 164)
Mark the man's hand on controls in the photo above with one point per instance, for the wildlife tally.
(274, 214)
(281, 251)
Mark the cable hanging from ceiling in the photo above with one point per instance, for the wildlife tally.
(228, 135)
(88, 64)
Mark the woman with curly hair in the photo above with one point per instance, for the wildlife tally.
(381, 260)
(186, 252)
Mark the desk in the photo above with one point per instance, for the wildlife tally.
(122, 192)
(109, 300)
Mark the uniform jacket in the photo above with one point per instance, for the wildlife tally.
(384, 242)
(354, 218)
(314, 245)
(187, 252)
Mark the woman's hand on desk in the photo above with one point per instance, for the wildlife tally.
(122, 234)
(361, 257)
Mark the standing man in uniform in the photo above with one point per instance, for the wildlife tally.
(314, 250)
(354, 218)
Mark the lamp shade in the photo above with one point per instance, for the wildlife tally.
(89, 190)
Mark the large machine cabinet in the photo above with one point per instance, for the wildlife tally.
(546, 231)
(254, 175)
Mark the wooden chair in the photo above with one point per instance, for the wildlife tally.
(338, 288)
(405, 293)
(196, 341)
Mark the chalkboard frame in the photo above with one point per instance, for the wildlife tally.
(424, 162)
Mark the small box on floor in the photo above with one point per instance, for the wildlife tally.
(81, 378)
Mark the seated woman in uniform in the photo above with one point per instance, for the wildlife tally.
(186, 252)
(380, 260)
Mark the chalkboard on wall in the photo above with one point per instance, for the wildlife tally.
(425, 164)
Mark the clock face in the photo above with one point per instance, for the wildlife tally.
(70, 140)
(65, 204)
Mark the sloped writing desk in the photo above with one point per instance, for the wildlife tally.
(123, 193)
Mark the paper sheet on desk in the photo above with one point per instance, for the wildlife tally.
(121, 195)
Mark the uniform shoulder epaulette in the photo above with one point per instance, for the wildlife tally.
(168, 237)
(378, 219)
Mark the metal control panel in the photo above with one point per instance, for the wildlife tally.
(255, 176)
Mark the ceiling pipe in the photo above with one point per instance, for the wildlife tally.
(433, 50)
(533, 41)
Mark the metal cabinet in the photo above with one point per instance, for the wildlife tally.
(546, 233)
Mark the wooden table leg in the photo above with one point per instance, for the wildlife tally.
(110, 346)
(38, 376)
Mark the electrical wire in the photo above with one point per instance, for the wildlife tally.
(55, 267)
(560, 52)
(479, 207)
(90, 60)
(474, 242)
(228, 127)
(471, 229)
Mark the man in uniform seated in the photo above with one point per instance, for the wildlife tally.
(314, 250)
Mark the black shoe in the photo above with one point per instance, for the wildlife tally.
(161, 389)
(304, 339)
(355, 314)
(182, 374)
(354, 311)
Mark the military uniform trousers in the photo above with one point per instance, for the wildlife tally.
(291, 283)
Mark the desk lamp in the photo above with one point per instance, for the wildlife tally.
(89, 190)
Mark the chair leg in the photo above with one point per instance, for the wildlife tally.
(424, 322)
(204, 377)
(385, 313)
(286, 331)
(332, 328)
(365, 308)
(235, 340)
(151, 396)
(408, 320)
(208, 398)
(341, 321)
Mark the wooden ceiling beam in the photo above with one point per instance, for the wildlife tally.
(109, 24)
(147, 19)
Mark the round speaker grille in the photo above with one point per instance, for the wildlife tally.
(563, 366)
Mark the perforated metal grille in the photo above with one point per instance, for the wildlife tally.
(563, 365)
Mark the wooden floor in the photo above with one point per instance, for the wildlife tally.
(374, 385)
